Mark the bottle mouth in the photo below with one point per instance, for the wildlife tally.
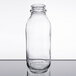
(38, 5)
(38, 8)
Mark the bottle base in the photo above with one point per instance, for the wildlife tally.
(38, 71)
(38, 65)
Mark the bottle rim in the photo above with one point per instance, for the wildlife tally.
(38, 8)
(38, 5)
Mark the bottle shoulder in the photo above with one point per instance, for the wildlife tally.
(38, 19)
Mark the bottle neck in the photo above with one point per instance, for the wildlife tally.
(38, 13)
(38, 9)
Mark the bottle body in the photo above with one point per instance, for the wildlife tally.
(38, 42)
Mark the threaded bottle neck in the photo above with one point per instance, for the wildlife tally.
(38, 8)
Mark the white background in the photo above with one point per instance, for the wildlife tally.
(14, 15)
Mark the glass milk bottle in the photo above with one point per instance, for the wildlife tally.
(38, 40)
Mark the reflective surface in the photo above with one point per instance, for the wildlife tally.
(19, 68)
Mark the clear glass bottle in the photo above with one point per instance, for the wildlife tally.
(38, 40)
